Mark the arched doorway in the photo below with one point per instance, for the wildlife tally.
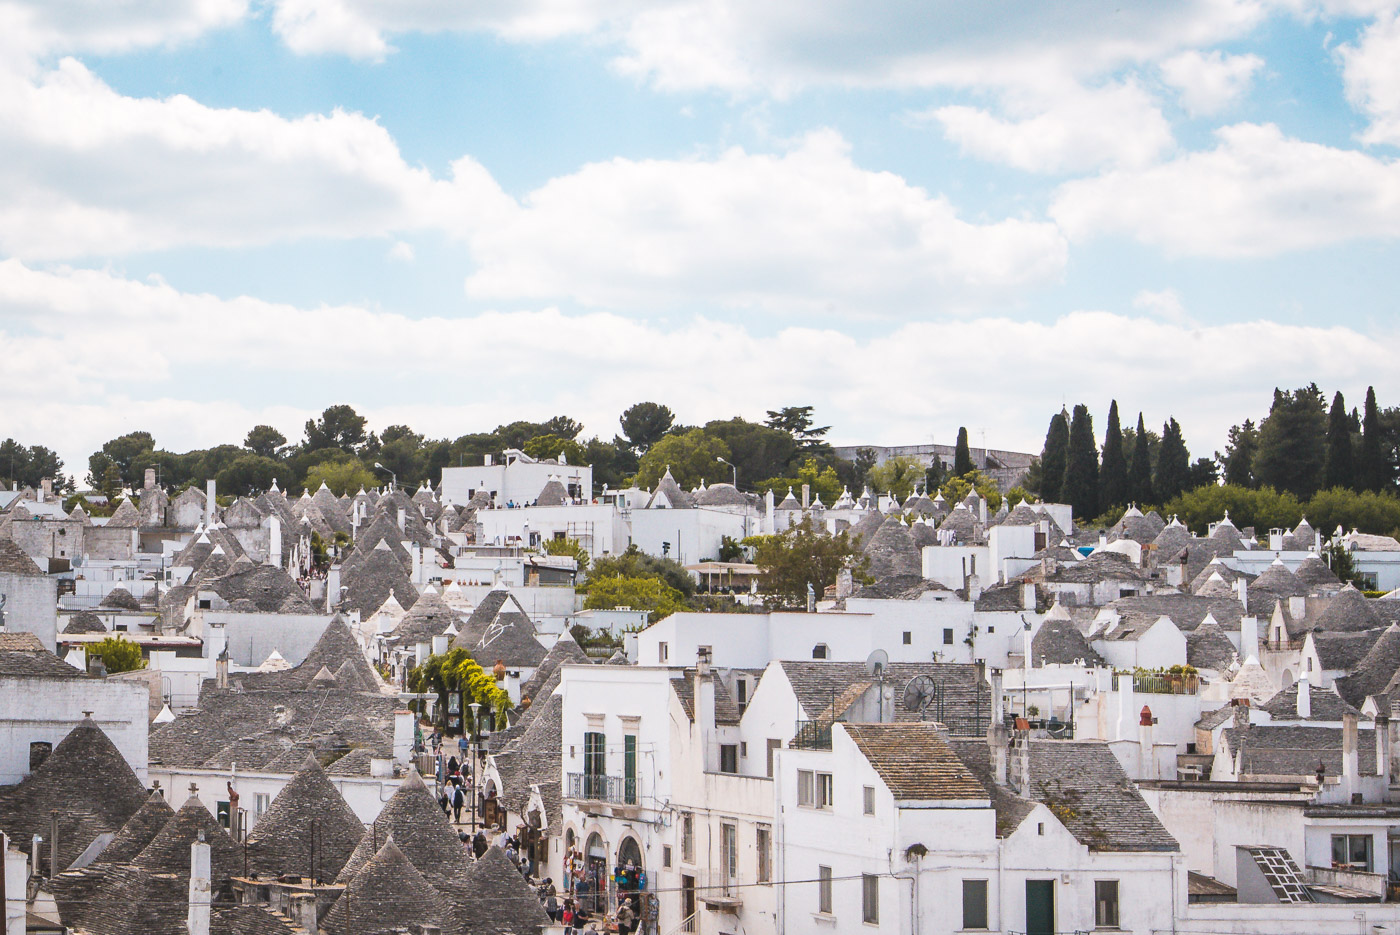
(593, 888)
(1288, 678)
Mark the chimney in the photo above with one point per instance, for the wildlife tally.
(12, 883)
(1304, 699)
(806, 495)
(209, 503)
(1275, 540)
(1297, 607)
(45, 489)
(845, 583)
(1249, 637)
(487, 462)
(1383, 753)
(1350, 756)
(1125, 705)
(333, 589)
(221, 669)
(1028, 598)
(1147, 756)
(403, 736)
(274, 541)
(982, 510)
(997, 735)
(53, 843)
(150, 480)
(197, 922)
(303, 911)
(36, 845)
(705, 709)
(403, 518)
(381, 767)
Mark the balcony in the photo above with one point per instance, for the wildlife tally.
(609, 790)
(812, 735)
(1166, 684)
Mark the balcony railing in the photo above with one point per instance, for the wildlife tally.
(615, 790)
(812, 735)
(1165, 684)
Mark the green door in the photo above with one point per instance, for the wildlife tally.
(1040, 907)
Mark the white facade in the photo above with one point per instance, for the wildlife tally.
(40, 710)
(518, 481)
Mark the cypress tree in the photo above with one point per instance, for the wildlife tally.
(1054, 457)
(962, 456)
(1341, 466)
(1113, 474)
(1293, 442)
(1173, 463)
(1372, 473)
(1140, 476)
(1081, 486)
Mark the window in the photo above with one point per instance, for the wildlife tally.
(629, 769)
(222, 813)
(663, 653)
(729, 758)
(870, 899)
(947, 636)
(991, 629)
(908, 638)
(824, 890)
(819, 651)
(1106, 903)
(261, 800)
(806, 797)
(666, 856)
(729, 841)
(765, 855)
(974, 904)
(868, 800)
(741, 690)
(824, 798)
(1040, 828)
(688, 837)
(594, 765)
(1351, 852)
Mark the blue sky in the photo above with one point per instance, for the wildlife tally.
(915, 216)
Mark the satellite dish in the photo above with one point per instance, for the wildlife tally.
(919, 693)
(876, 663)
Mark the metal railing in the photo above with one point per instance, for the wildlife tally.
(614, 790)
(812, 735)
(971, 726)
(1164, 684)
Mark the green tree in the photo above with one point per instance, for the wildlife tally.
(339, 427)
(1054, 457)
(1292, 439)
(1372, 470)
(342, 477)
(1140, 468)
(653, 595)
(692, 457)
(120, 451)
(1113, 472)
(612, 462)
(962, 455)
(797, 421)
(755, 450)
(1173, 473)
(634, 563)
(1239, 454)
(456, 670)
(1368, 511)
(645, 424)
(28, 467)
(1264, 508)
(118, 654)
(264, 441)
(248, 475)
(1340, 469)
(569, 547)
(516, 434)
(1081, 485)
(111, 482)
(956, 489)
(823, 482)
(897, 475)
(804, 555)
(552, 446)
(562, 426)
(1203, 473)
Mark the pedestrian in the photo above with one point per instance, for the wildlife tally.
(452, 766)
(444, 802)
(459, 799)
(551, 907)
(568, 916)
(479, 845)
(625, 917)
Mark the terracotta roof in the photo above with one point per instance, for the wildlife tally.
(914, 762)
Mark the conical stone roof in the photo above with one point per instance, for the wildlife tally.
(85, 621)
(496, 899)
(120, 599)
(1315, 574)
(387, 894)
(421, 830)
(139, 830)
(1348, 611)
(308, 816)
(169, 850)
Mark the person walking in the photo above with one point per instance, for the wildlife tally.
(625, 917)
(459, 799)
(568, 916)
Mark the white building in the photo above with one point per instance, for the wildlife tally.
(517, 481)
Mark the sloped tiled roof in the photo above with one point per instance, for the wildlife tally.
(669, 490)
(385, 894)
(817, 682)
(533, 757)
(267, 586)
(371, 581)
(891, 552)
(169, 850)
(496, 899)
(125, 517)
(1294, 751)
(1086, 789)
(1324, 704)
(1314, 573)
(140, 829)
(1375, 670)
(1011, 809)
(1349, 610)
(15, 561)
(914, 762)
(1207, 647)
(1344, 649)
(565, 650)
(428, 618)
(23, 656)
(1059, 642)
(85, 621)
(307, 809)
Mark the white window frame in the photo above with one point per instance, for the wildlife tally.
(867, 800)
(824, 890)
(870, 898)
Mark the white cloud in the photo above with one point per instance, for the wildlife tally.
(401, 251)
(1209, 82)
(1165, 304)
(44, 27)
(1257, 193)
(85, 170)
(1371, 70)
(804, 230)
(88, 369)
(1072, 130)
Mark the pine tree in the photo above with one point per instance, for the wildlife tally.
(1113, 474)
(1173, 463)
(1053, 458)
(1239, 454)
(1081, 487)
(1372, 472)
(962, 456)
(1293, 442)
(1140, 475)
(1341, 466)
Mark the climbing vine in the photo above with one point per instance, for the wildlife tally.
(456, 670)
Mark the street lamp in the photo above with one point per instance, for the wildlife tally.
(393, 478)
(476, 733)
(736, 471)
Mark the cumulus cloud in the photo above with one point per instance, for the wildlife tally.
(804, 229)
(1257, 193)
(1073, 130)
(89, 372)
(1209, 82)
(1371, 70)
(43, 27)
